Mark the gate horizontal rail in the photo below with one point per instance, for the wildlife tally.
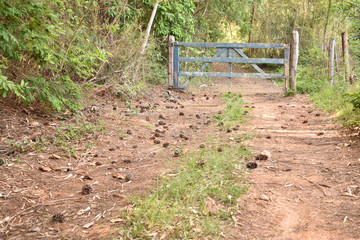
(231, 75)
(231, 60)
(230, 45)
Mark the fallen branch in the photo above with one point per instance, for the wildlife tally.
(313, 183)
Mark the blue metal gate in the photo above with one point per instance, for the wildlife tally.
(226, 53)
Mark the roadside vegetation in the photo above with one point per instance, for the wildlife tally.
(52, 50)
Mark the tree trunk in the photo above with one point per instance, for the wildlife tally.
(148, 29)
(251, 25)
(331, 61)
(345, 49)
(147, 34)
(327, 21)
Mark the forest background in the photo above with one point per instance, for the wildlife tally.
(54, 50)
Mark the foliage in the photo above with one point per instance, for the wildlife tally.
(311, 73)
(353, 98)
(48, 41)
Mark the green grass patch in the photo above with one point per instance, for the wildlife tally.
(337, 99)
(234, 113)
(182, 206)
(178, 205)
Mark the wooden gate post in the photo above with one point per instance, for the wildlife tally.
(171, 40)
(331, 61)
(345, 49)
(294, 59)
(286, 68)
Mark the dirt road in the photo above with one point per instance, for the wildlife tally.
(309, 188)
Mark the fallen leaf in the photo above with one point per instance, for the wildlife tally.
(54, 156)
(45, 169)
(116, 220)
(88, 225)
(211, 207)
(163, 236)
(82, 211)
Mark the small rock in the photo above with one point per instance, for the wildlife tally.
(165, 145)
(251, 165)
(35, 124)
(283, 127)
(129, 132)
(147, 119)
(58, 217)
(157, 141)
(202, 145)
(219, 149)
(207, 122)
(235, 129)
(320, 133)
(127, 161)
(98, 163)
(228, 130)
(87, 189)
(197, 116)
(161, 116)
(135, 146)
(305, 121)
(111, 149)
(264, 197)
(181, 114)
(118, 176)
(268, 137)
(318, 114)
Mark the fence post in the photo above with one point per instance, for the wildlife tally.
(286, 68)
(176, 65)
(294, 59)
(171, 40)
(229, 66)
(331, 61)
(345, 49)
